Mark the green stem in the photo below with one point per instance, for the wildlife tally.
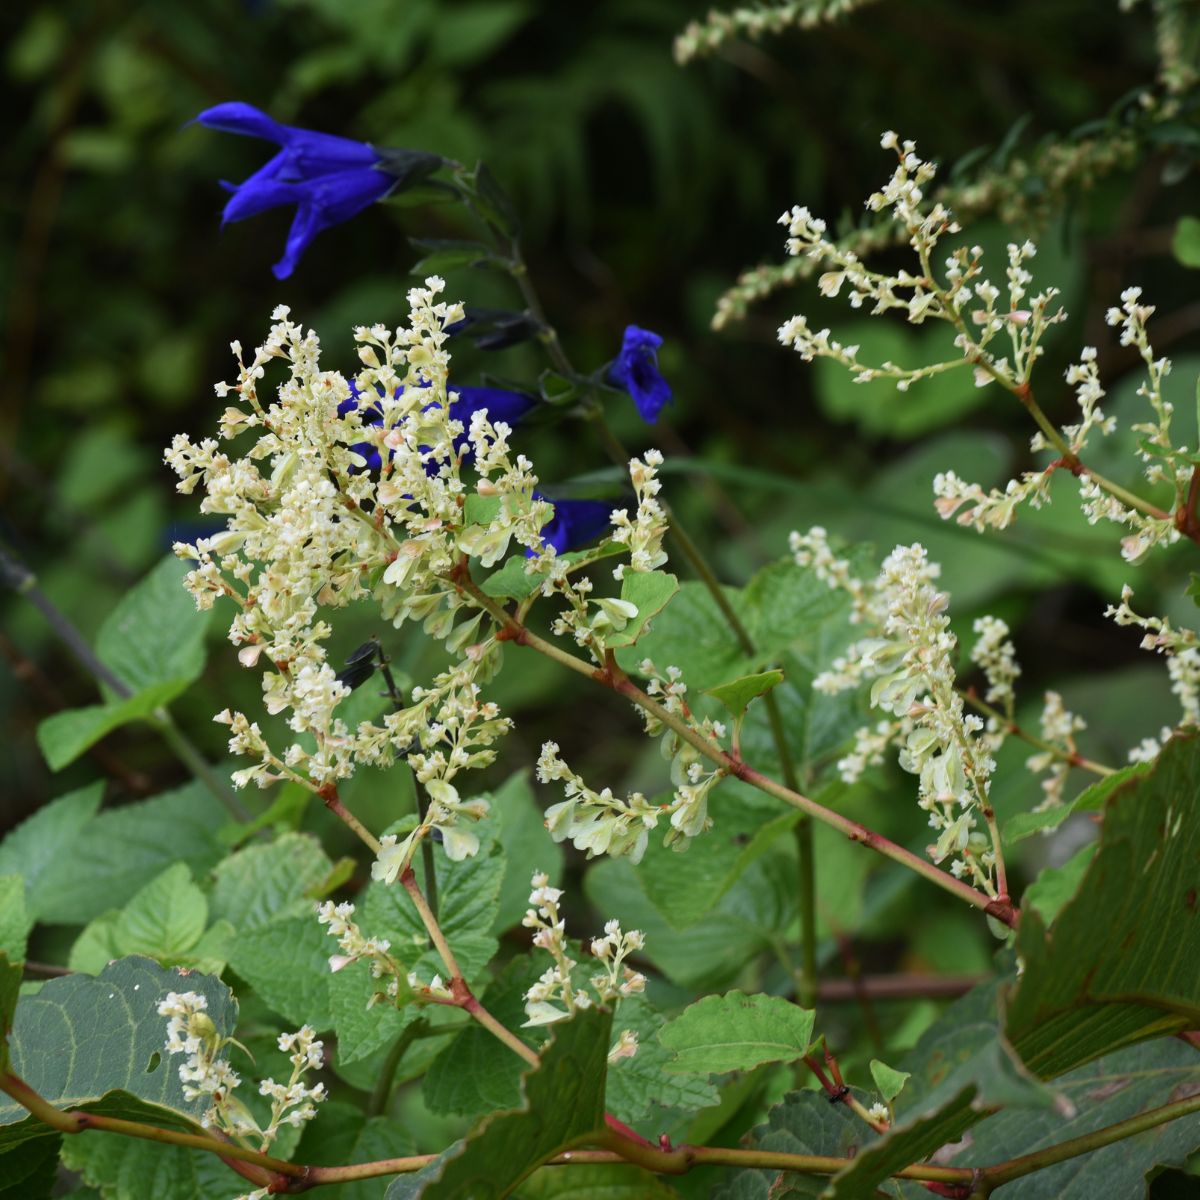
(382, 1090)
(16, 575)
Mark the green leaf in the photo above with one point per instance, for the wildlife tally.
(905, 1142)
(476, 1074)
(651, 592)
(804, 1123)
(511, 582)
(64, 736)
(1104, 1092)
(165, 919)
(15, 921)
(1185, 245)
(46, 840)
(96, 946)
(155, 636)
(601, 1182)
(447, 254)
(482, 510)
(344, 1134)
(520, 828)
(645, 1083)
(1083, 995)
(10, 990)
(735, 1032)
(1054, 886)
(737, 694)
(80, 1038)
(267, 880)
(361, 1030)
(123, 1167)
(29, 1170)
(888, 1080)
(126, 846)
(563, 1101)
(467, 893)
(286, 961)
(1091, 799)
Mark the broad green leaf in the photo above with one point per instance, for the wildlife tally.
(15, 921)
(125, 1168)
(878, 408)
(1119, 964)
(713, 951)
(1054, 886)
(165, 919)
(361, 1030)
(888, 1080)
(212, 951)
(475, 1073)
(155, 636)
(804, 1123)
(45, 841)
(563, 1101)
(907, 1141)
(96, 945)
(80, 1038)
(265, 880)
(650, 592)
(1111, 1089)
(601, 1182)
(520, 828)
(683, 887)
(481, 510)
(29, 1170)
(127, 846)
(1091, 799)
(467, 893)
(511, 582)
(736, 1032)
(645, 1083)
(286, 961)
(737, 694)
(1185, 245)
(445, 254)
(344, 1134)
(64, 736)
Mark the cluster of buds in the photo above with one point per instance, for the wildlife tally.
(207, 1075)
(356, 946)
(642, 535)
(555, 997)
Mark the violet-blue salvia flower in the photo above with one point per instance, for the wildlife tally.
(574, 524)
(328, 178)
(636, 370)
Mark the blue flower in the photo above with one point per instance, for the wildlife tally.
(329, 179)
(575, 522)
(636, 370)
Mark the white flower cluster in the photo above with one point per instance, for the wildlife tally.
(995, 656)
(812, 550)
(1161, 636)
(642, 534)
(962, 298)
(205, 1074)
(908, 655)
(1059, 726)
(554, 997)
(355, 945)
(309, 529)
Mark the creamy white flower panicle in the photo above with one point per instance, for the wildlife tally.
(205, 1074)
(355, 945)
(309, 530)
(555, 996)
(643, 533)
(908, 656)
(1058, 726)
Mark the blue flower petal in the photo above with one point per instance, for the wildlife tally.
(636, 370)
(574, 524)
